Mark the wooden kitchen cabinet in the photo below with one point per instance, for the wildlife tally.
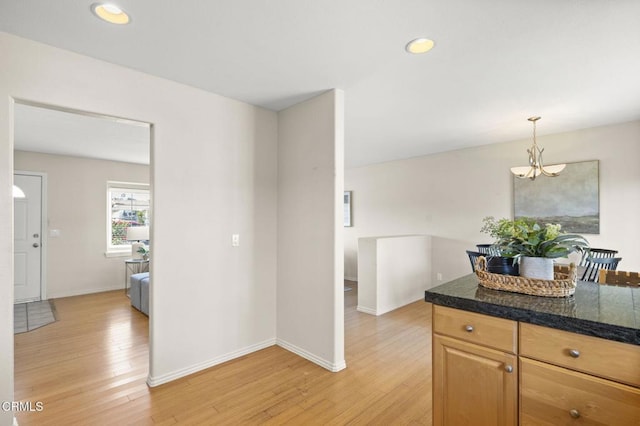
(578, 358)
(495, 371)
(474, 369)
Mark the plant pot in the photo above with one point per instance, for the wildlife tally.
(536, 267)
(501, 265)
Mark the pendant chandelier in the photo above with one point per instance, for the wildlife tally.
(536, 166)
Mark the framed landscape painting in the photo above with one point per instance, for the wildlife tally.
(571, 199)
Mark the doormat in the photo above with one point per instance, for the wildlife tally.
(32, 315)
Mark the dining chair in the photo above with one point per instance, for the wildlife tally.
(561, 267)
(595, 264)
(624, 278)
(473, 255)
(597, 253)
(487, 249)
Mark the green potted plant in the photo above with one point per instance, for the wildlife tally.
(532, 244)
(144, 252)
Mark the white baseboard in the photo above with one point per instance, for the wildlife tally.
(367, 310)
(80, 292)
(375, 312)
(165, 378)
(331, 366)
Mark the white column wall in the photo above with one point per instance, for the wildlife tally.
(214, 174)
(310, 318)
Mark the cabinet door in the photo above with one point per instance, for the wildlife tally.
(473, 385)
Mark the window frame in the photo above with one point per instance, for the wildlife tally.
(144, 188)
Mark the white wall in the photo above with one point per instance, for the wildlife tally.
(310, 319)
(76, 262)
(447, 195)
(212, 157)
(446, 261)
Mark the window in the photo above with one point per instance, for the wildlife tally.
(127, 205)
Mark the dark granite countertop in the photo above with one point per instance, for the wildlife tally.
(605, 311)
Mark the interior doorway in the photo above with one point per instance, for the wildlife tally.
(74, 144)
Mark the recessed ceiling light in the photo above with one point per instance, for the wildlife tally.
(110, 13)
(419, 45)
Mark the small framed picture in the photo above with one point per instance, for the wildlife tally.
(348, 220)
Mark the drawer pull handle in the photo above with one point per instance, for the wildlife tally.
(469, 328)
(508, 368)
(574, 353)
(574, 413)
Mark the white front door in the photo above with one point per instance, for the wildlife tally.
(27, 238)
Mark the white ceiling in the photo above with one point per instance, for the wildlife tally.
(496, 62)
(81, 135)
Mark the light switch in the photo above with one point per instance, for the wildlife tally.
(235, 240)
(54, 233)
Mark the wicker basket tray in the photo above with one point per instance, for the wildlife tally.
(563, 285)
(564, 306)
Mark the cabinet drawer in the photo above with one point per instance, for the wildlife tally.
(481, 329)
(600, 357)
(551, 395)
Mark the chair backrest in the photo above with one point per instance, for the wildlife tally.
(473, 255)
(595, 264)
(597, 253)
(619, 278)
(561, 267)
(483, 248)
(487, 249)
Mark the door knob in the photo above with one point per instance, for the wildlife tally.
(36, 245)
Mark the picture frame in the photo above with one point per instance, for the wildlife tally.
(348, 212)
(571, 199)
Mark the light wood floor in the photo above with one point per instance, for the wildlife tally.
(90, 367)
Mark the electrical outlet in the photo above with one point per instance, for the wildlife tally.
(439, 276)
(235, 240)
